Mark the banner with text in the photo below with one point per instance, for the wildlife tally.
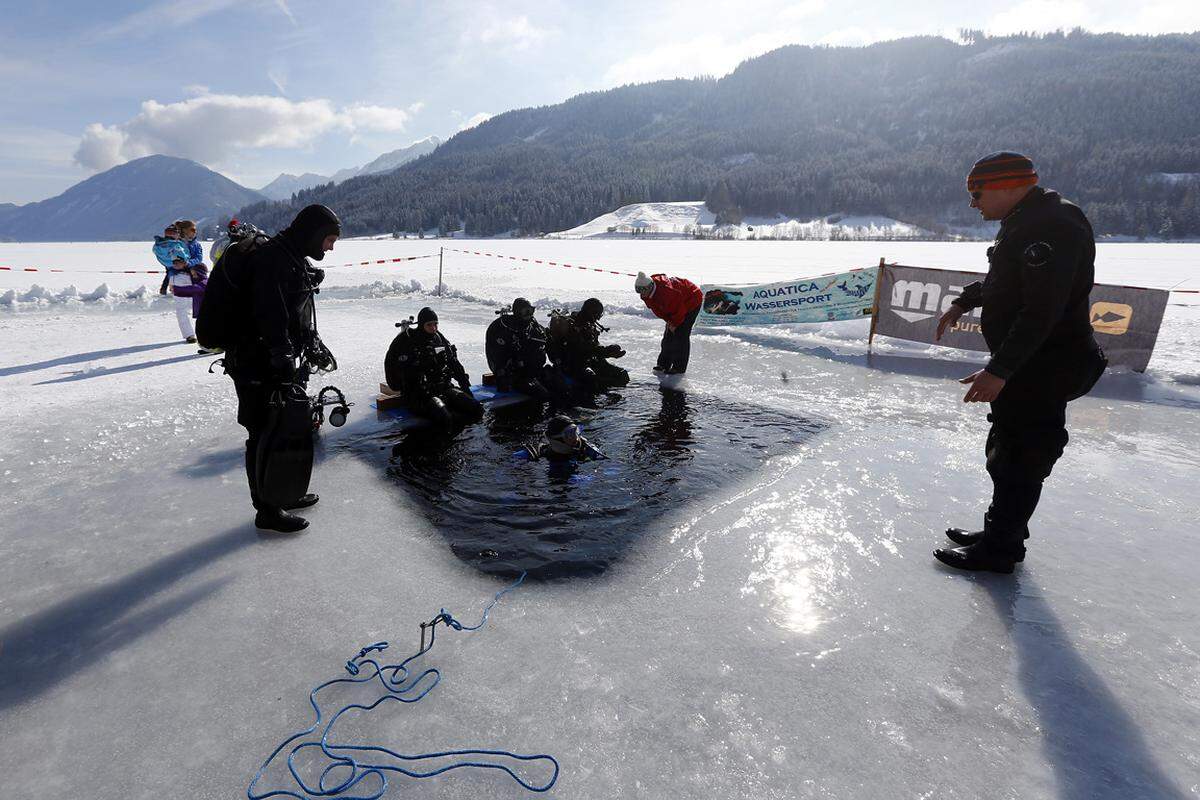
(847, 295)
(1126, 319)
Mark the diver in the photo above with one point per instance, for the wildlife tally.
(575, 348)
(421, 364)
(516, 352)
(563, 442)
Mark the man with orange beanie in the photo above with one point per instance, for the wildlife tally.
(1037, 323)
(677, 301)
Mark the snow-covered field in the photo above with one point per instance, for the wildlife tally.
(685, 219)
(788, 635)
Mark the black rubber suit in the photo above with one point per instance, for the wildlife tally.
(516, 355)
(276, 310)
(1036, 320)
(576, 350)
(422, 367)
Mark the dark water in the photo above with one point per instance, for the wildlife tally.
(504, 514)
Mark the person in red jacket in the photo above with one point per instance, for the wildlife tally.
(676, 300)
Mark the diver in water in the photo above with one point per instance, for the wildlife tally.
(516, 352)
(421, 364)
(576, 351)
(564, 442)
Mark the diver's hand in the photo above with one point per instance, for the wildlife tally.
(985, 387)
(952, 315)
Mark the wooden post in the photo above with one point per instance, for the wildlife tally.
(441, 256)
(875, 307)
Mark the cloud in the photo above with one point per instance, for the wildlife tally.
(1041, 15)
(1156, 16)
(735, 40)
(209, 127)
(502, 31)
(478, 119)
(175, 13)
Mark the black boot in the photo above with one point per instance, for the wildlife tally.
(279, 520)
(307, 500)
(965, 537)
(976, 558)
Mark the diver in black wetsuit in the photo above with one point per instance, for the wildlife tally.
(516, 353)
(563, 442)
(575, 348)
(421, 364)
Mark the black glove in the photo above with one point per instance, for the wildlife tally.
(465, 385)
(316, 275)
(613, 351)
(282, 367)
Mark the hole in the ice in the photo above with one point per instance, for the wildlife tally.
(666, 449)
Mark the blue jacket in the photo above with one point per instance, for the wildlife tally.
(195, 253)
(167, 251)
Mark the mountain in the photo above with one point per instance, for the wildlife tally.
(135, 200)
(887, 130)
(283, 187)
(287, 184)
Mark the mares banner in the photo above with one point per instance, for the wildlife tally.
(912, 299)
(848, 295)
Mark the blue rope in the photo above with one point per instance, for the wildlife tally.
(349, 766)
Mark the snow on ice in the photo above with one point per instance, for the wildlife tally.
(786, 634)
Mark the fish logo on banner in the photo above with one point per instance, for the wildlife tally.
(1111, 318)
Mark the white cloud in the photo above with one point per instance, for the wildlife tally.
(478, 119)
(1156, 16)
(498, 30)
(174, 13)
(1041, 15)
(741, 34)
(209, 127)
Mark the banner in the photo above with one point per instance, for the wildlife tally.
(1125, 319)
(847, 295)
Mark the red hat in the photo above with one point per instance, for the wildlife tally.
(1003, 170)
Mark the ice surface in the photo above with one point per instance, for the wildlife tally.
(787, 635)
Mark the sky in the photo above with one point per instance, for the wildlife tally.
(258, 87)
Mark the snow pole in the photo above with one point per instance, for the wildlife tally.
(875, 305)
(441, 257)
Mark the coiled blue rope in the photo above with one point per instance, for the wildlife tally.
(349, 765)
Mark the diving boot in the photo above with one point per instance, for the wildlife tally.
(279, 520)
(976, 558)
(307, 500)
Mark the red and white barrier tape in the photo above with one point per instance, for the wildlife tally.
(380, 261)
(543, 262)
(160, 272)
(86, 271)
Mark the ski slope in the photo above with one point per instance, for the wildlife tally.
(785, 633)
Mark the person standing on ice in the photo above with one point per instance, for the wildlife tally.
(275, 326)
(677, 301)
(1037, 324)
(172, 253)
(197, 271)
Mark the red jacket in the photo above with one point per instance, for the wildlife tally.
(673, 298)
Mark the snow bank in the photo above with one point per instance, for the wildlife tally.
(692, 219)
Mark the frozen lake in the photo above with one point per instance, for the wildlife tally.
(779, 631)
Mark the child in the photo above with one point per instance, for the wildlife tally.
(173, 254)
(197, 271)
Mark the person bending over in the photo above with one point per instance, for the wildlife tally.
(676, 301)
(422, 365)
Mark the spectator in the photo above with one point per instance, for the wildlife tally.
(173, 255)
(197, 271)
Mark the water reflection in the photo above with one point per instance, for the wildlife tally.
(503, 513)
